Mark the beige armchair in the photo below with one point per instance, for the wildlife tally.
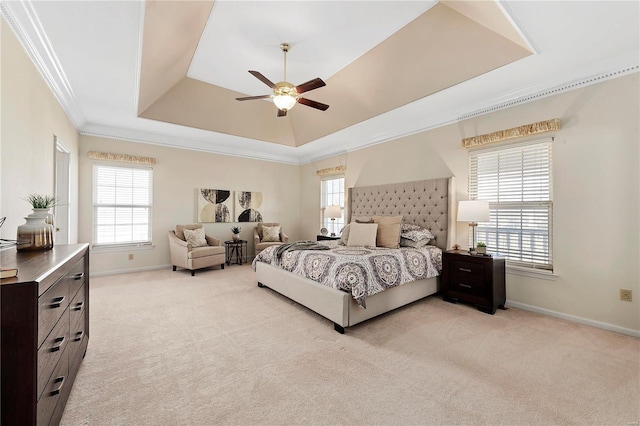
(186, 255)
(259, 244)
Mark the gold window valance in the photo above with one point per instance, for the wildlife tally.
(331, 171)
(515, 132)
(120, 157)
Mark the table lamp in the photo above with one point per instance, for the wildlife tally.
(473, 211)
(333, 212)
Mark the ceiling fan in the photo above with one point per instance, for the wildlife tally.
(286, 95)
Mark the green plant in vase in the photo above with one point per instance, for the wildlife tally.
(37, 233)
(236, 230)
(481, 248)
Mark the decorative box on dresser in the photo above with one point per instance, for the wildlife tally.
(475, 279)
(45, 331)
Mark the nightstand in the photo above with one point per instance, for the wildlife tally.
(475, 279)
(326, 237)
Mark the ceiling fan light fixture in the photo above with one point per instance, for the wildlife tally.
(284, 102)
(285, 96)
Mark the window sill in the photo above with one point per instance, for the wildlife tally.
(108, 248)
(531, 272)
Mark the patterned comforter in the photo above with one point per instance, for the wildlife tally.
(361, 271)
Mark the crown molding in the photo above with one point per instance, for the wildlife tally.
(201, 145)
(25, 24)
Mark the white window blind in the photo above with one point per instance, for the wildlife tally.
(332, 195)
(517, 182)
(121, 205)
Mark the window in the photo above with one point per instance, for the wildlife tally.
(517, 182)
(121, 205)
(332, 195)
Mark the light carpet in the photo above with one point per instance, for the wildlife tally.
(166, 348)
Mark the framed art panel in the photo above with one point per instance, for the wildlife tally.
(214, 205)
(247, 205)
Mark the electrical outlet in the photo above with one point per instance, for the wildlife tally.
(130, 256)
(625, 295)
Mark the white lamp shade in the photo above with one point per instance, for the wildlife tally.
(473, 211)
(332, 212)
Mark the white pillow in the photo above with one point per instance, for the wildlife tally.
(344, 237)
(362, 234)
(270, 234)
(195, 237)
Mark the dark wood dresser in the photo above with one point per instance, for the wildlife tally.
(45, 331)
(475, 279)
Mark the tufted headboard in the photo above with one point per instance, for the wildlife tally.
(426, 203)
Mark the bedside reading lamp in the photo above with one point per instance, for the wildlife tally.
(473, 211)
(333, 212)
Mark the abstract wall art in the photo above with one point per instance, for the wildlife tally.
(214, 205)
(247, 205)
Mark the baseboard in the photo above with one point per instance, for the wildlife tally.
(126, 271)
(573, 318)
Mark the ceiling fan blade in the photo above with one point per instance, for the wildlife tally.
(313, 104)
(282, 113)
(263, 79)
(250, 98)
(310, 85)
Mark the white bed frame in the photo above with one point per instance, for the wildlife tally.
(408, 199)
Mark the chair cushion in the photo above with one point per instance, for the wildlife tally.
(180, 230)
(263, 245)
(195, 237)
(199, 252)
(270, 234)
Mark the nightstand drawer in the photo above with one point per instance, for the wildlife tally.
(465, 269)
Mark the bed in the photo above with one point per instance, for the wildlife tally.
(425, 203)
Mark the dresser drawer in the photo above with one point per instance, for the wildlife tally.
(76, 277)
(77, 320)
(51, 306)
(51, 351)
(53, 390)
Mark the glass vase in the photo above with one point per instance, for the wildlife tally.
(37, 233)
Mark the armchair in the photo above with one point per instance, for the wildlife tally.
(258, 234)
(186, 255)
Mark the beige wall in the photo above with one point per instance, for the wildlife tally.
(596, 194)
(176, 175)
(31, 116)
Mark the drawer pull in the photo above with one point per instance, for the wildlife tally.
(78, 276)
(59, 341)
(78, 337)
(465, 270)
(78, 306)
(465, 285)
(59, 388)
(57, 302)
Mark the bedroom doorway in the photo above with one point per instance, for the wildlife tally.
(61, 210)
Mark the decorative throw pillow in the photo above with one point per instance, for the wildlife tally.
(344, 236)
(404, 242)
(418, 235)
(179, 230)
(362, 235)
(195, 237)
(361, 219)
(388, 231)
(270, 234)
(406, 227)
